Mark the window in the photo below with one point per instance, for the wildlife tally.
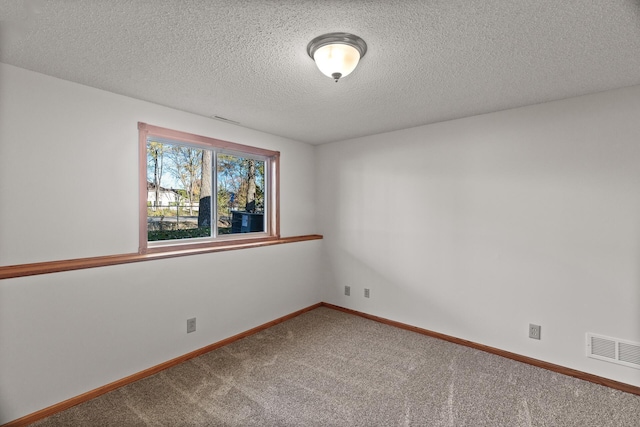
(201, 191)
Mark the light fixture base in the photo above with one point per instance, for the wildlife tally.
(337, 38)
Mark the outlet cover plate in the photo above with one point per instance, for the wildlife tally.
(534, 331)
(191, 325)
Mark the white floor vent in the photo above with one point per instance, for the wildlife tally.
(614, 350)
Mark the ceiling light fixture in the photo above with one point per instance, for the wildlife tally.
(337, 54)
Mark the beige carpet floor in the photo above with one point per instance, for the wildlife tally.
(329, 368)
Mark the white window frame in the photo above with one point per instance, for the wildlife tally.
(272, 199)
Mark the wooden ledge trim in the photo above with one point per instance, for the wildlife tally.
(22, 270)
(59, 407)
(628, 388)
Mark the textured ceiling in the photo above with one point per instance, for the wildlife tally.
(246, 60)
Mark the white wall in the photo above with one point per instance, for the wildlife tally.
(64, 144)
(67, 333)
(473, 228)
(477, 227)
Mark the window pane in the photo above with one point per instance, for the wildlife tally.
(178, 193)
(241, 194)
(200, 188)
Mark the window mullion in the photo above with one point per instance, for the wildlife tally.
(267, 202)
(214, 194)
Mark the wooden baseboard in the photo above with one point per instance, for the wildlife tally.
(58, 407)
(513, 356)
(51, 410)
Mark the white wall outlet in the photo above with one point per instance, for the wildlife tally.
(347, 290)
(191, 325)
(534, 331)
(366, 293)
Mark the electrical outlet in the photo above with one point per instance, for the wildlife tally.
(366, 293)
(191, 325)
(534, 331)
(347, 290)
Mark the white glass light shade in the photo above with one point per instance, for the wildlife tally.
(336, 60)
(337, 54)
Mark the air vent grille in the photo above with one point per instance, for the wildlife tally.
(629, 353)
(613, 350)
(603, 347)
